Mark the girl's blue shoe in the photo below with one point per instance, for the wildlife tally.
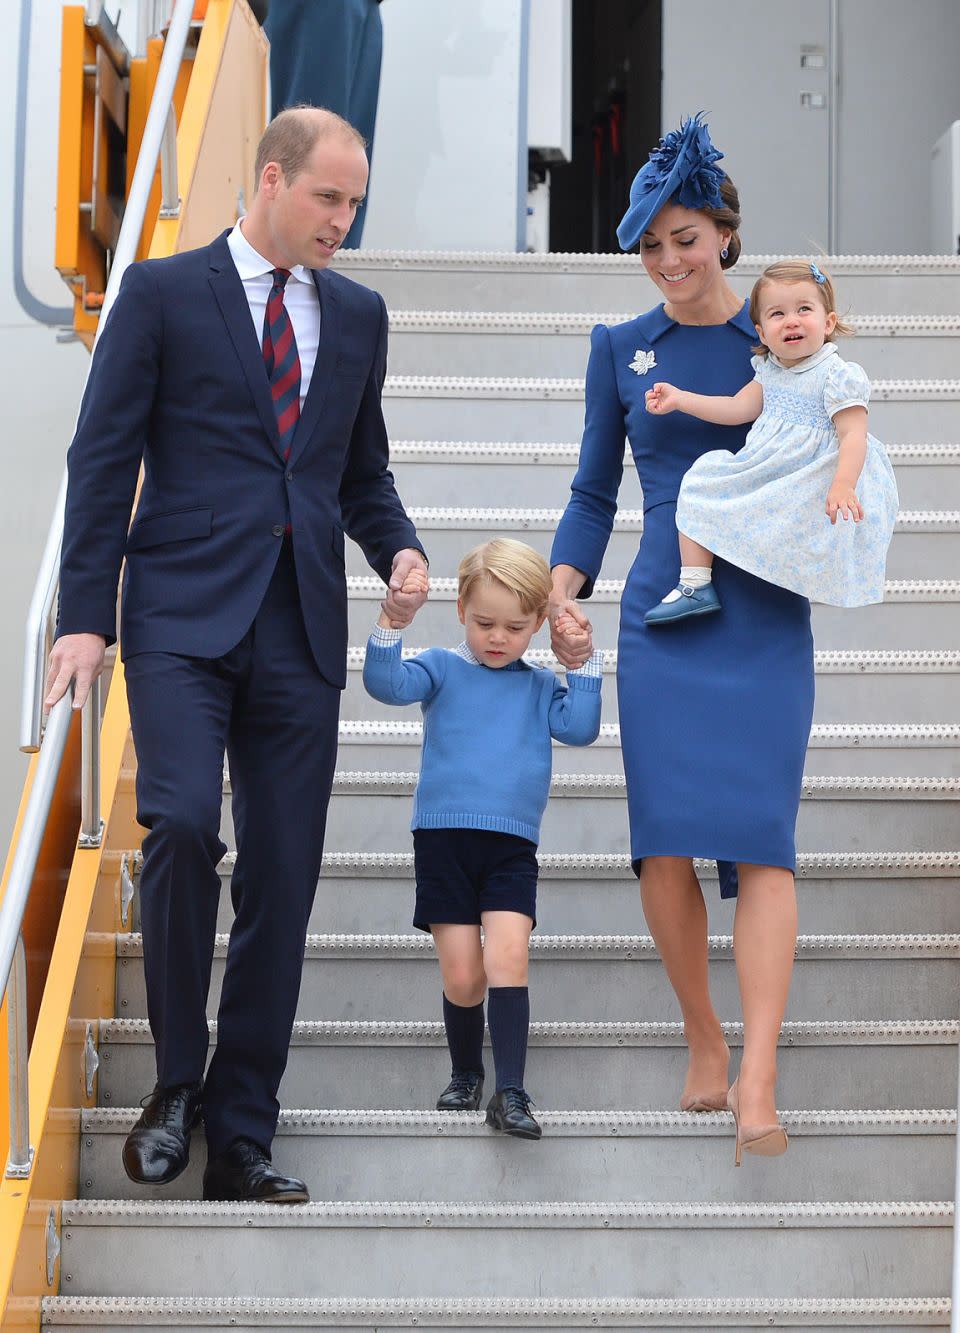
(691, 602)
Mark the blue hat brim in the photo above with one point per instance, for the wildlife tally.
(639, 215)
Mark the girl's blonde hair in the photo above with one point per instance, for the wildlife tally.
(515, 566)
(797, 270)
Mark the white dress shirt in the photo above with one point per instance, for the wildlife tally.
(300, 298)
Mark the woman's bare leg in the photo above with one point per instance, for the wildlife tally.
(677, 916)
(764, 942)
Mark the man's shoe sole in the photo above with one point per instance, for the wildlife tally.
(298, 1196)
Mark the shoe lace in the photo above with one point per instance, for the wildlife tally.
(462, 1082)
(163, 1109)
(518, 1100)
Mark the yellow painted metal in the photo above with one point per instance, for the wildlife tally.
(221, 104)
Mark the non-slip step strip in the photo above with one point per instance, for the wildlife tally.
(547, 388)
(570, 262)
(505, 452)
(368, 588)
(157, 1312)
(328, 1215)
(822, 735)
(578, 323)
(855, 661)
(614, 948)
(565, 1124)
(433, 518)
(923, 1032)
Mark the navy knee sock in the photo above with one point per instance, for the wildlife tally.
(508, 1013)
(464, 1024)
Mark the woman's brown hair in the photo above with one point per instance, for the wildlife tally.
(727, 216)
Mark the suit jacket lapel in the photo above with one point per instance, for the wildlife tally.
(323, 370)
(228, 290)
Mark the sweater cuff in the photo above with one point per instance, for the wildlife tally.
(385, 638)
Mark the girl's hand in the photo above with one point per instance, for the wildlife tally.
(571, 634)
(842, 499)
(662, 398)
(416, 581)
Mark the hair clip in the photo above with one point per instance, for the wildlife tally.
(817, 275)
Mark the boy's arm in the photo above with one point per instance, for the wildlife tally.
(575, 710)
(743, 407)
(392, 680)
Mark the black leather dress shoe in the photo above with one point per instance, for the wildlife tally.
(462, 1093)
(245, 1174)
(509, 1111)
(157, 1149)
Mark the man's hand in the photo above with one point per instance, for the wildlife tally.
(407, 589)
(76, 657)
(571, 634)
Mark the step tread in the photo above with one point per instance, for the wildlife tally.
(444, 589)
(926, 1032)
(591, 263)
(409, 320)
(554, 1215)
(907, 389)
(614, 784)
(564, 1124)
(457, 518)
(630, 948)
(453, 1312)
(508, 452)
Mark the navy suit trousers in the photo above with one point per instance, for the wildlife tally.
(265, 705)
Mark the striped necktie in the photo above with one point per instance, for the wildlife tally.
(282, 361)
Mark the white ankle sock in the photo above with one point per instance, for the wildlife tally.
(691, 576)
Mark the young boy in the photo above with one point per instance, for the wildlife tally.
(488, 719)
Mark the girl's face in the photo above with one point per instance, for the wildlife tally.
(498, 629)
(681, 252)
(794, 322)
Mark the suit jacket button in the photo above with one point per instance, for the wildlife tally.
(277, 529)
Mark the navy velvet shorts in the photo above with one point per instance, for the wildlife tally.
(462, 872)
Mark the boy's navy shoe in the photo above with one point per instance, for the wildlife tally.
(509, 1111)
(691, 602)
(462, 1093)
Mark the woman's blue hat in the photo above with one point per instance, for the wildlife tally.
(682, 167)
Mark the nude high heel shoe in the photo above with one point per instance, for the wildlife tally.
(764, 1140)
(698, 1104)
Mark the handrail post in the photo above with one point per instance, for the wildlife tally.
(91, 825)
(20, 1161)
(169, 186)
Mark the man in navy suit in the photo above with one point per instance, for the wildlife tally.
(246, 378)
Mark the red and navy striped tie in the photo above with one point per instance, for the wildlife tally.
(282, 361)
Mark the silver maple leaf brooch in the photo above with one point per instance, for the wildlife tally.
(643, 361)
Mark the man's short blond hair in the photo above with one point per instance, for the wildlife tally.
(292, 135)
(514, 566)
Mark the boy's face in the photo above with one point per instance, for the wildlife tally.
(498, 629)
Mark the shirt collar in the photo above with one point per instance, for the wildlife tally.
(466, 652)
(808, 362)
(250, 263)
(656, 322)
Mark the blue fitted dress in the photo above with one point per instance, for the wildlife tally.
(715, 712)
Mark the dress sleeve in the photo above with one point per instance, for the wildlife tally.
(847, 386)
(587, 521)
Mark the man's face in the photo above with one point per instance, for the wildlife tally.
(310, 217)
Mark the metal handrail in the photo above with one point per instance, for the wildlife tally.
(51, 742)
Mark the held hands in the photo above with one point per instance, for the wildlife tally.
(74, 657)
(842, 499)
(407, 590)
(571, 634)
(663, 398)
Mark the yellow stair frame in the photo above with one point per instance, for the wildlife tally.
(74, 911)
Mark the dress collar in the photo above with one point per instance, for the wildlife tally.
(656, 322)
(808, 363)
(250, 263)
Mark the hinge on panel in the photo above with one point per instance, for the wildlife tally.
(91, 1060)
(126, 886)
(53, 1246)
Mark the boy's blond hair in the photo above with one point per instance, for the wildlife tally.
(515, 566)
(797, 270)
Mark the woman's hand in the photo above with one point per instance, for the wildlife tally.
(663, 398)
(842, 499)
(571, 634)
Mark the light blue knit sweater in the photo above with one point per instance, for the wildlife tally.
(486, 758)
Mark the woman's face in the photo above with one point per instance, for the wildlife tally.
(681, 252)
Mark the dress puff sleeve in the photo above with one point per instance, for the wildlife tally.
(584, 530)
(846, 386)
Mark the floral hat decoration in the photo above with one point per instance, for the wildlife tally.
(683, 168)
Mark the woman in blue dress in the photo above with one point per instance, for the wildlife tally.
(715, 712)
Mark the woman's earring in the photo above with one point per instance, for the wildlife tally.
(724, 253)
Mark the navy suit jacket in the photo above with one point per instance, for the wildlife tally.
(178, 381)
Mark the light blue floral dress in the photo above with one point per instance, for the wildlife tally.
(763, 509)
